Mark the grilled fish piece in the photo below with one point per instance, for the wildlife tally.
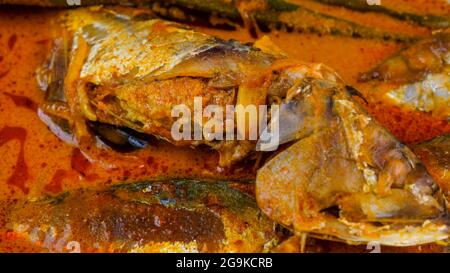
(255, 14)
(436, 156)
(165, 216)
(345, 177)
(417, 77)
(428, 20)
(278, 14)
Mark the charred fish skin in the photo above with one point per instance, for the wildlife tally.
(432, 21)
(166, 216)
(255, 14)
(436, 156)
(417, 77)
(345, 177)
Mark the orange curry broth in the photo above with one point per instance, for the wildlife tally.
(33, 161)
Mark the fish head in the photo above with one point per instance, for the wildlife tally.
(342, 175)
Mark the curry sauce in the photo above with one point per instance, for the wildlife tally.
(34, 162)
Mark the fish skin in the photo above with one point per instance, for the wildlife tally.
(272, 14)
(150, 216)
(332, 135)
(417, 77)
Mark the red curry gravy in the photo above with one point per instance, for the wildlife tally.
(33, 161)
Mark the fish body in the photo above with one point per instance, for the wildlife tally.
(164, 216)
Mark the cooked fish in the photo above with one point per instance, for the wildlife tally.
(264, 14)
(129, 72)
(417, 77)
(165, 216)
(345, 177)
(428, 20)
(436, 156)
(341, 175)
(115, 75)
(273, 14)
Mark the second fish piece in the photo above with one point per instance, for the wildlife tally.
(417, 77)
